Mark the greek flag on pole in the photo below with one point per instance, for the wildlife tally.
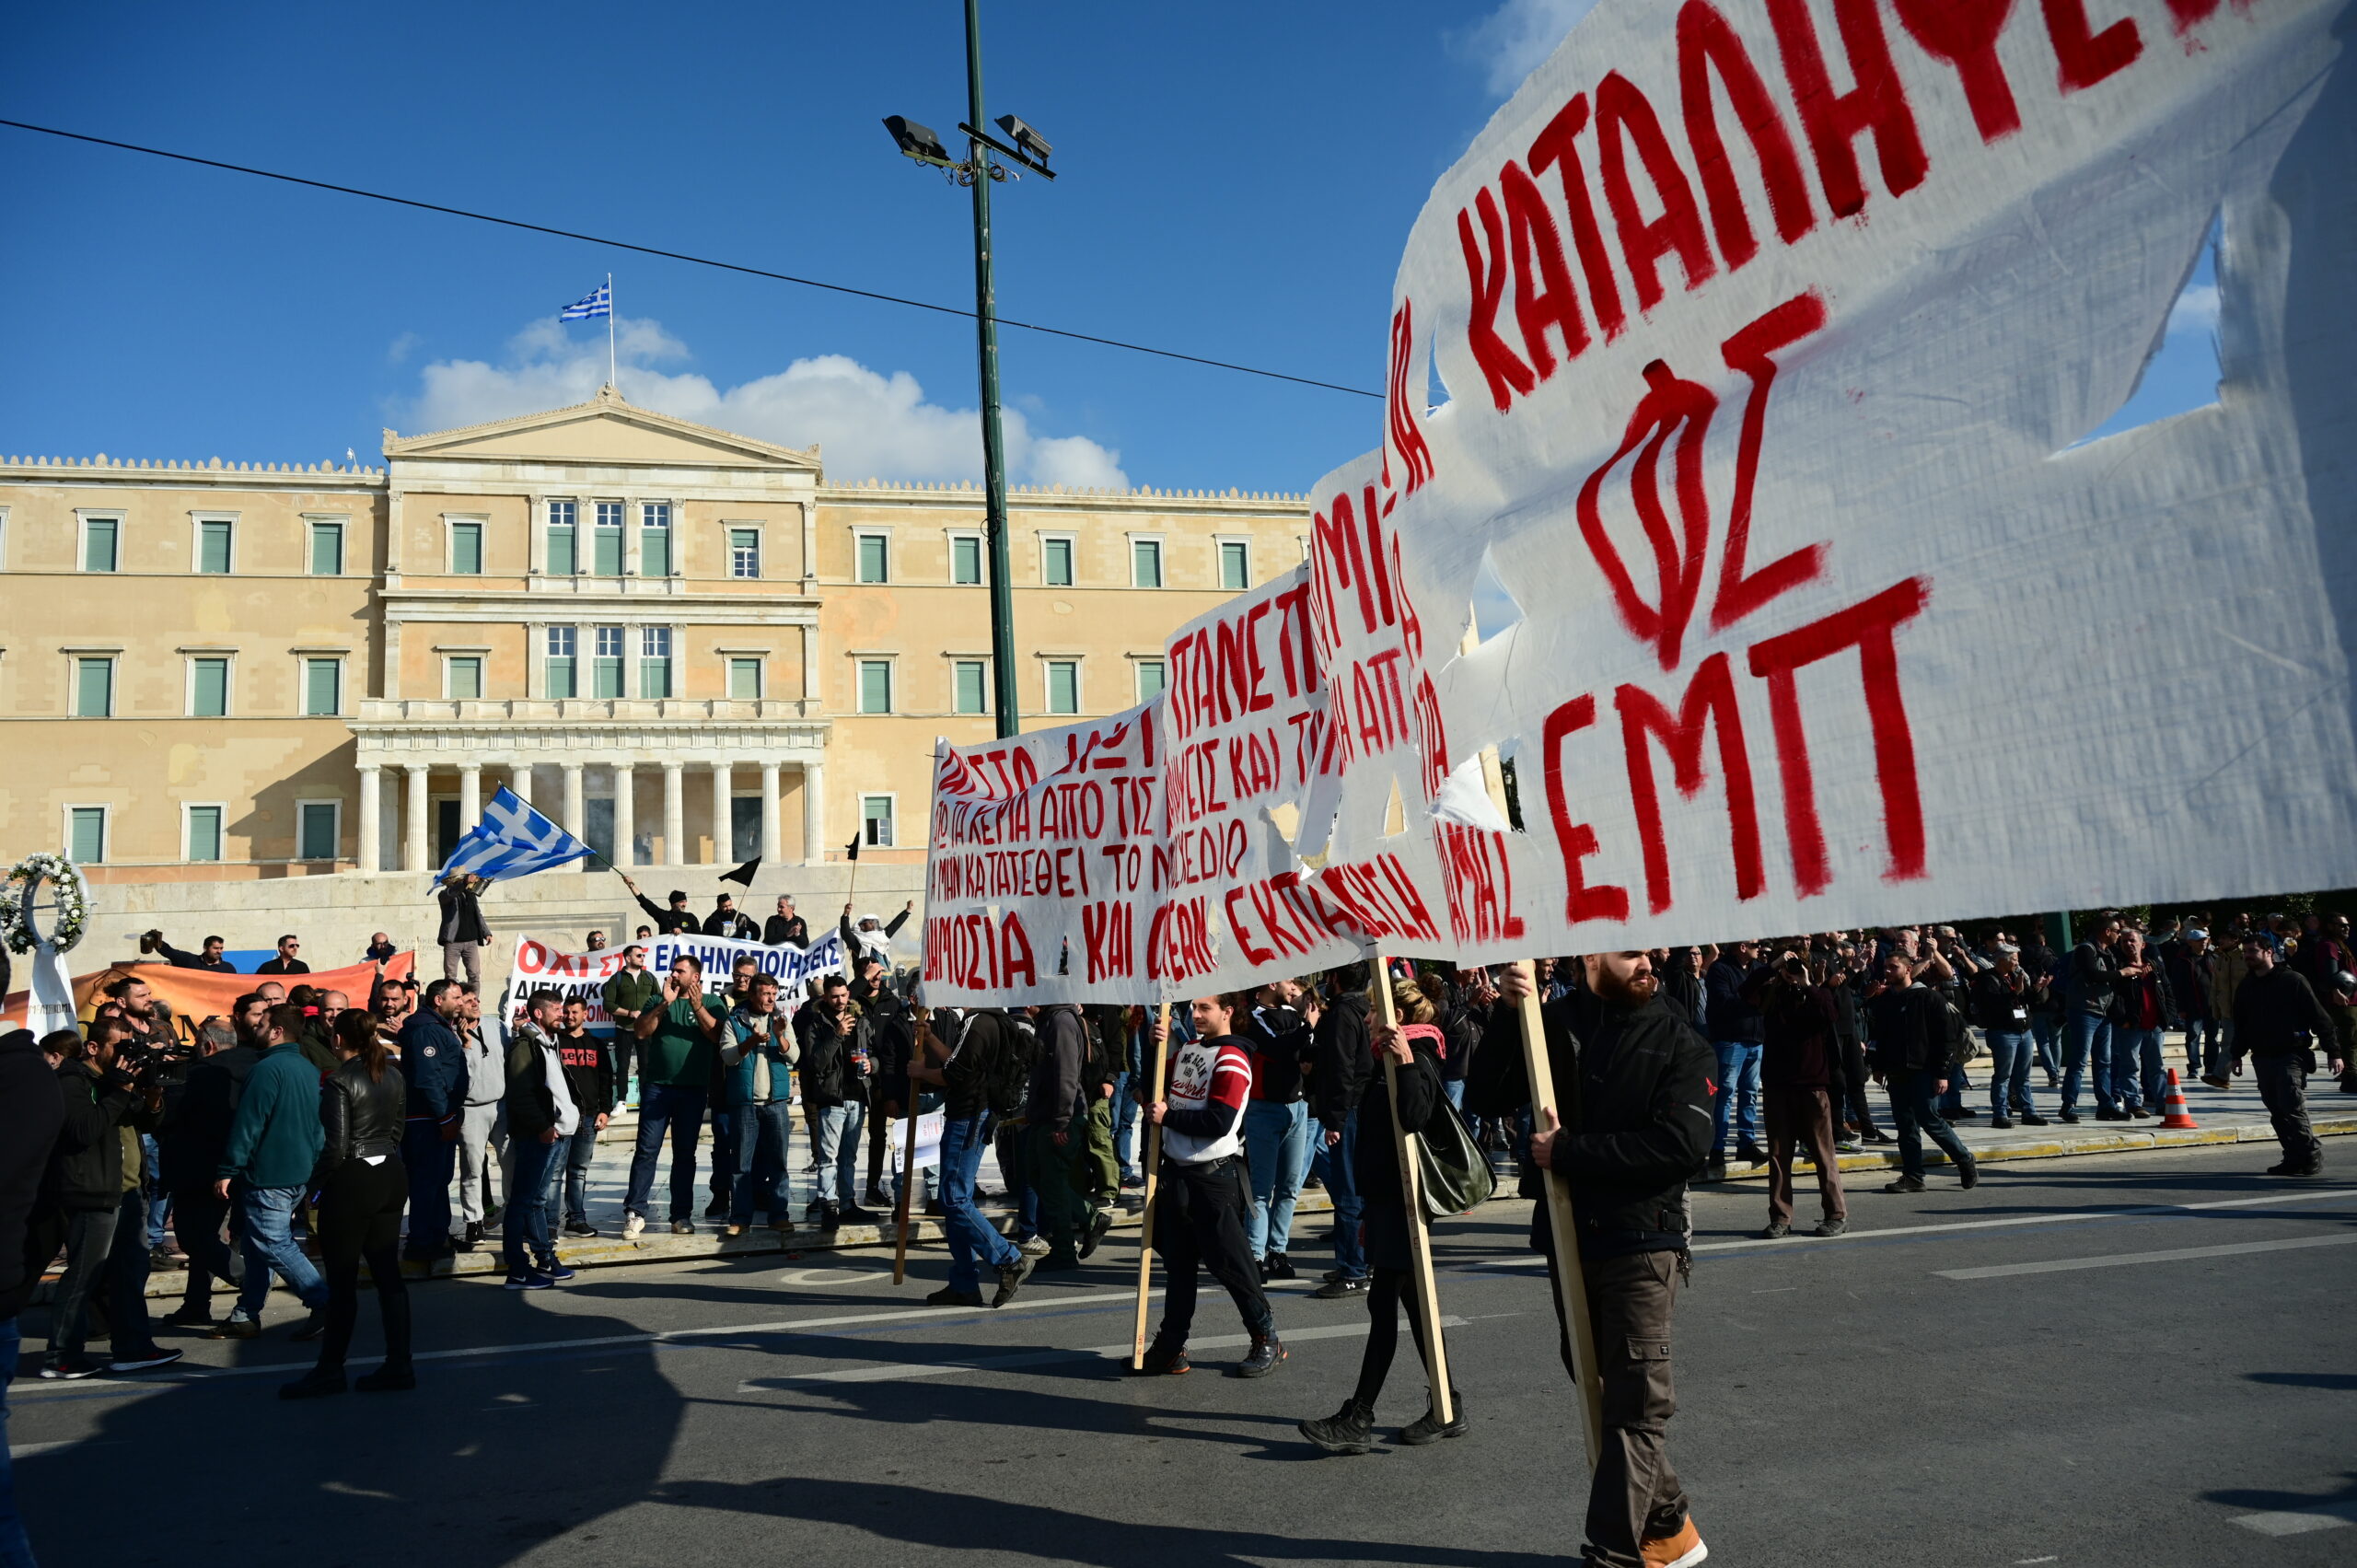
(512, 840)
(600, 301)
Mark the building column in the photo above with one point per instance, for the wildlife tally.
(722, 830)
(625, 815)
(470, 795)
(519, 779)
(772, 836)
(413, 844)
(372, 818)
(675, 817)
(814, 813)
(573, 811)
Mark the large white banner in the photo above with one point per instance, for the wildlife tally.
(1774, 336)
(583, 976)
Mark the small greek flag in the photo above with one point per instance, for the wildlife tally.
(512, 840)
(598, 302)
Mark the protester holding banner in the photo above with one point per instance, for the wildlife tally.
(680, 1041)
(1635, 1080)
(1203, 1201)
(978, 1042)
(1416, 1069)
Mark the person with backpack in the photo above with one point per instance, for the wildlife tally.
(1416, 1066)
(1056, 1132)
(1340, 1064)
(1202, 1199)
(978, 1079)
(1908, 1051)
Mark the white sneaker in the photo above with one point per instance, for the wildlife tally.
(1036, 1246)
(633, 1223)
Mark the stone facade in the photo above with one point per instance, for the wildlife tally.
(225, 683)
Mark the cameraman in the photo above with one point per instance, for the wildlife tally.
(86, 1200)
(2001, 1000)
(208, 959)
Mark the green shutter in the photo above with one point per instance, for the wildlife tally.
(655, 553)
(971, 686)
(874, 686)
(204, 833)
(966, 560)
(873, 564)
(1058, 561)
(98, 545)
(1150, 679)
(466, 550)
(316, 832)
(1063, 687)
(1146, 564)
(327, 549)
(213, 548)
(745, 679)
(209, 694)
(1234, 566)
(466, 679)
(90, 835)
(654, 678)
(322, 687)
(609, 543)
(94, 688)
(562, 562)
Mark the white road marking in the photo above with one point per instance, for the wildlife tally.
(18, 1451)
(2272, 1199)
(907, 1371)
(2300, 1521)
(2118, 1260)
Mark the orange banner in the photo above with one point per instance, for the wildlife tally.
(196, 996)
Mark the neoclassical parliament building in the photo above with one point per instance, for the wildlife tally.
(223, 680)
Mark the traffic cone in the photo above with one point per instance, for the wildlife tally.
(2173, 1109)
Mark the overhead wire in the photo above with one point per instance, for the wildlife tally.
(682, 256)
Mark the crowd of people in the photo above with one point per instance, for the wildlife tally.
(299, 1136)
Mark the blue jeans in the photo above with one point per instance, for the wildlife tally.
(1914, 1105)
(526, 1239)
(2204, 1051)
(1739, 1092)
(429, 1161)
(762, 1139)
(1125, 1125)
(972, 1239)
(1455, 1089)
(2087, 1036)
(2136, 1064)
(1276, 1144)
(1343, 1186)
(661, 1107)
(2048, 1030)
(839, 1127)
(270, 1244)
(2009, 1059)
(1952, 1098)
(159, 1200)
(579, 1151)
(15, 1551)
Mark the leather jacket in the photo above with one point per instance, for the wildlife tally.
(362, 1115)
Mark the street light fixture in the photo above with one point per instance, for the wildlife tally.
(979, 170)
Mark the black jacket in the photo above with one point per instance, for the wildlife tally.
(732, 924)
(282, 966)
(461, 917)
(589, 1073)
(195, 1130)
(1906, 1030)
(782, 929)
(1341, 1060)
(1056, 1087)
(1997, 1000)
(668, 922)
(1633, 1088)
(828, 1074)
(531, 1105)
(183, 960)
(1800, 1033)
(2273, 1011)
(2094, 972)
(1375, 1152)
(85, 1164)
(32, 1111)
(363, 1116)
(1280, 1041)
(1730, 1015)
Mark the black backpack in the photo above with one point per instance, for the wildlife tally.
(1007, 1050)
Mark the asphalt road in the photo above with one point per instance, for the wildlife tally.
(2127, 1360)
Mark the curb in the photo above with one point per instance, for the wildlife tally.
(1879, 1159)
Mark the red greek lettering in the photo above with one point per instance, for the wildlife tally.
(1964, 33)
(1506, 374)
(1625, 118)
(1832, 120)
(1557, 147)
(2086, 56)
(1575, 841)
(1710, 700)
(1708, 45)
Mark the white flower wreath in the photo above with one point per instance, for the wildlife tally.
(73, 902)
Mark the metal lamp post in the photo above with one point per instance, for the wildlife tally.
(978, 171)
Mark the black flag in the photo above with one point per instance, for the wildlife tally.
(743, 875)
(852, 850)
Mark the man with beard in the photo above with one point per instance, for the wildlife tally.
(1635, 1079)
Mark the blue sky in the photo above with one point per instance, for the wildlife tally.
(1235, 181)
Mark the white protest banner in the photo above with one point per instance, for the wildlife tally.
(1045, 862)
(1773, 335)
(583, 976)
(929, 1127)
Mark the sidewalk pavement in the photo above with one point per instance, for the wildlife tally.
(2227, 1116)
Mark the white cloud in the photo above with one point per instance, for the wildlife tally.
(1509, 42)
(2196, 309)
(869, 424)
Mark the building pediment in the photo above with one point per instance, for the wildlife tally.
(604, 432)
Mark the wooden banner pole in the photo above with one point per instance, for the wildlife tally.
(1570, 1283)
(1426, 1305)
(1153, 1176)
(909, 1161)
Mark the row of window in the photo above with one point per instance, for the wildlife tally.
(318, 831)
(215, 545)
(1056, 553)
(970, 684)
(208, 687)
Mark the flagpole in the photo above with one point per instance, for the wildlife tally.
(613, 373)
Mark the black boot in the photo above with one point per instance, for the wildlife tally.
(318, 1381)
(1350, 1430)
(1427, 1428)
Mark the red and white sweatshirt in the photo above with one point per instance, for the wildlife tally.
(1209, 1084)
